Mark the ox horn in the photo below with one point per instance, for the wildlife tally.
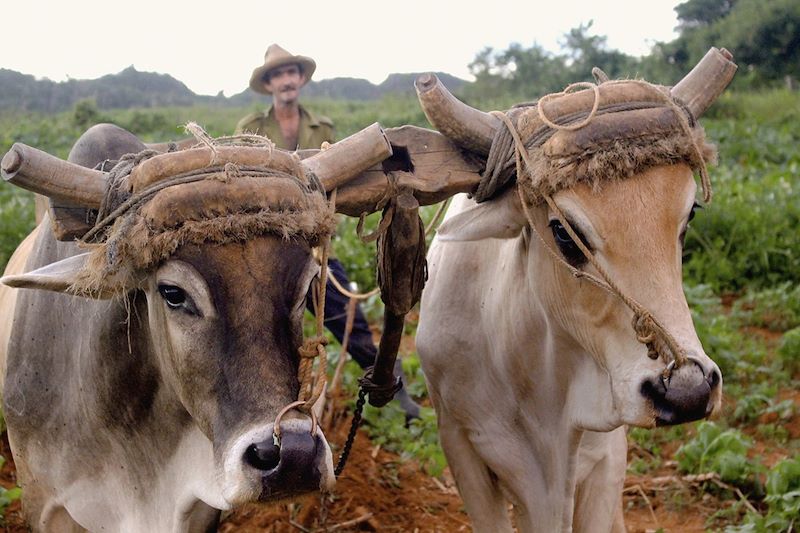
(706, 81)
(60, 180)
(464, 125)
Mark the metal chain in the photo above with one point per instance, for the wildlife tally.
(351, 436)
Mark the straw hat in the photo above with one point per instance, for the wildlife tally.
(278, 57)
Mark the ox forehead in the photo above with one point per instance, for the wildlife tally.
(239, 304)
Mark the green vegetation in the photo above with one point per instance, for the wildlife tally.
(7, 496)
(714, 449)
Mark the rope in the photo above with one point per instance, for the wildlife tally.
(436, 220)
(567, 90)
(392, 190)
(649, 330)
(349, 294)
(350, 316)
(312, 387)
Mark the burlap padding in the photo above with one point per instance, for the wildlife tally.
(612, 95)
(174, 163)
(211, 198)
(636, 126)
(613, 160)
(604, 130)
(217, 210)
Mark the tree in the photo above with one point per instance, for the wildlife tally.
(85, 113)
(531, 72)
(700, 13)
(763, 35)
(587, 51)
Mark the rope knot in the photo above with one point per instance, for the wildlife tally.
(230, 171)
(379, 395)
(311, 387)
(311, 346)
(644, 326)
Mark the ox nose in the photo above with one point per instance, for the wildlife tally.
(686, 394)
(290, 467)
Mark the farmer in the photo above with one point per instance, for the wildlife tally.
(293, 127)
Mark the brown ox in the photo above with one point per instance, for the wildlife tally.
(146, 402)
(533, 369)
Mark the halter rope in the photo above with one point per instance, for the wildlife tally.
(649, 331)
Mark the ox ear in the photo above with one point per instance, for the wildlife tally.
(500, 218)
(57, 277)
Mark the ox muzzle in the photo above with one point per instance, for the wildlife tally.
(267, 467)
(683, 394)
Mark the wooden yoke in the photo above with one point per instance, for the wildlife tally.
(402, 271)
(420, 160)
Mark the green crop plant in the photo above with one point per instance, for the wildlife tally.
(739, 356)
(7, 496)
(782, 499)
(776, 308)
(724, 451)
(418, 440)
(751, 406)
(789, 351)
(16, 219)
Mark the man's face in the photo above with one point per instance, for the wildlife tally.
(284, 83)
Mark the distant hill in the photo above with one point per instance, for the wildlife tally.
(132, 88)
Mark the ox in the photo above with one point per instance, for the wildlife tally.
(147, 402)
(534, 370)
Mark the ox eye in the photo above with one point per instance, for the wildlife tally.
(174, 296)
(569, 249)
(692, 213)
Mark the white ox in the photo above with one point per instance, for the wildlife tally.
(153, 411)
(534, 372)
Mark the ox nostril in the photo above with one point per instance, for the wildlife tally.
(264, 455)
(714, 379)
(300, 466)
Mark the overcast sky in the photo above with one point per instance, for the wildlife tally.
(213, 46)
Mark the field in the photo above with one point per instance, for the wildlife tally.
(739, 472)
